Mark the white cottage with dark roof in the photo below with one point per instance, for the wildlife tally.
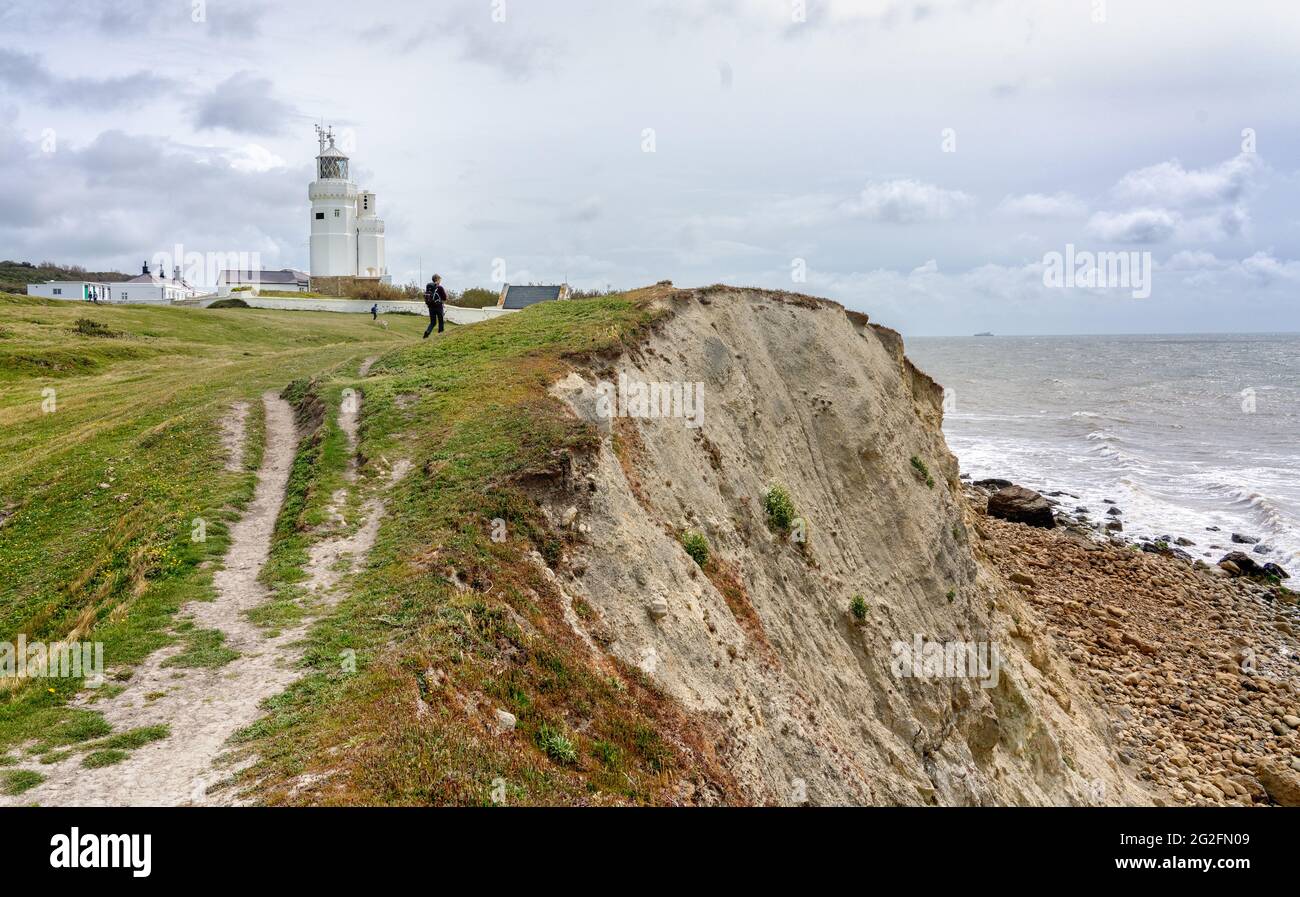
(286, 280)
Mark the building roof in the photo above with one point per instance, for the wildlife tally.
(158, 281)
(284, 275)
(524, 296)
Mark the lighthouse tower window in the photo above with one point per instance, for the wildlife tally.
(320, 216)
(336, 213)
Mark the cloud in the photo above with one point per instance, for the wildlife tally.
(31, 79)
(1264, 268)
(1137, 226)
(474, 40)
(253, 157)
(1192, 260)
(1039, 205)
(243, 103)
(588, 209)
(906, 201)
(84, 202)
(1170, 184)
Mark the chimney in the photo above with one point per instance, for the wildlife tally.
(176, 273)
(146, 268)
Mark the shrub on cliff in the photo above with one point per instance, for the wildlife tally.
(780, 509)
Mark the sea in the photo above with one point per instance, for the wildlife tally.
(1182, 432)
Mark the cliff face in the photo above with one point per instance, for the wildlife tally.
(812, 703)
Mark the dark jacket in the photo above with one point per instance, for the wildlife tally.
(434, 294)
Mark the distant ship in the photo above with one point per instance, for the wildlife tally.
(985, 333)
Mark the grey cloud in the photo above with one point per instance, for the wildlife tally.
(26, 75)
(1137, 226)
(243, 103)
(121, 19)
(476, 40)
(121, 198)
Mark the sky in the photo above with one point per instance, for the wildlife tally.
(927, 163)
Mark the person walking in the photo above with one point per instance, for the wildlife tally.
(434, 297)
(374, 312)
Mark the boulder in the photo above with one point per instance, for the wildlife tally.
(1272, 569)
(1281, 783)
(1240, 564)
(1243, 540)
(1114, 512)
(1021, 505)
(993, 483)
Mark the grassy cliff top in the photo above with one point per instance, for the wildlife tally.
(110, 449)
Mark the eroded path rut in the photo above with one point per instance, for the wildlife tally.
(205, 707)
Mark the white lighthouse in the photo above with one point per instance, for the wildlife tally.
(347, 237)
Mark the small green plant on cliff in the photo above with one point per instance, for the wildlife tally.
(952, 595)
(696, 546)
(780, 508)
(556, 745)
(858, 607)
(919, 466)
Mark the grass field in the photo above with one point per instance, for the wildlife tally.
(109, 453)
(102, 493)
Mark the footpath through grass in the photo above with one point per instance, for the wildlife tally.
(111, 464)
(445, 625)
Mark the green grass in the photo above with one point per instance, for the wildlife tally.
(556, 745)
(96, 759)
(139, 413)
(203, 648)
(16, 781)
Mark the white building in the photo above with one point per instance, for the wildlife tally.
(286, 280)
(74, 290)
(347, 239)
(144, 287)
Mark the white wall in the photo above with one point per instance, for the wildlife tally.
(68, 289)
(453, 313)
